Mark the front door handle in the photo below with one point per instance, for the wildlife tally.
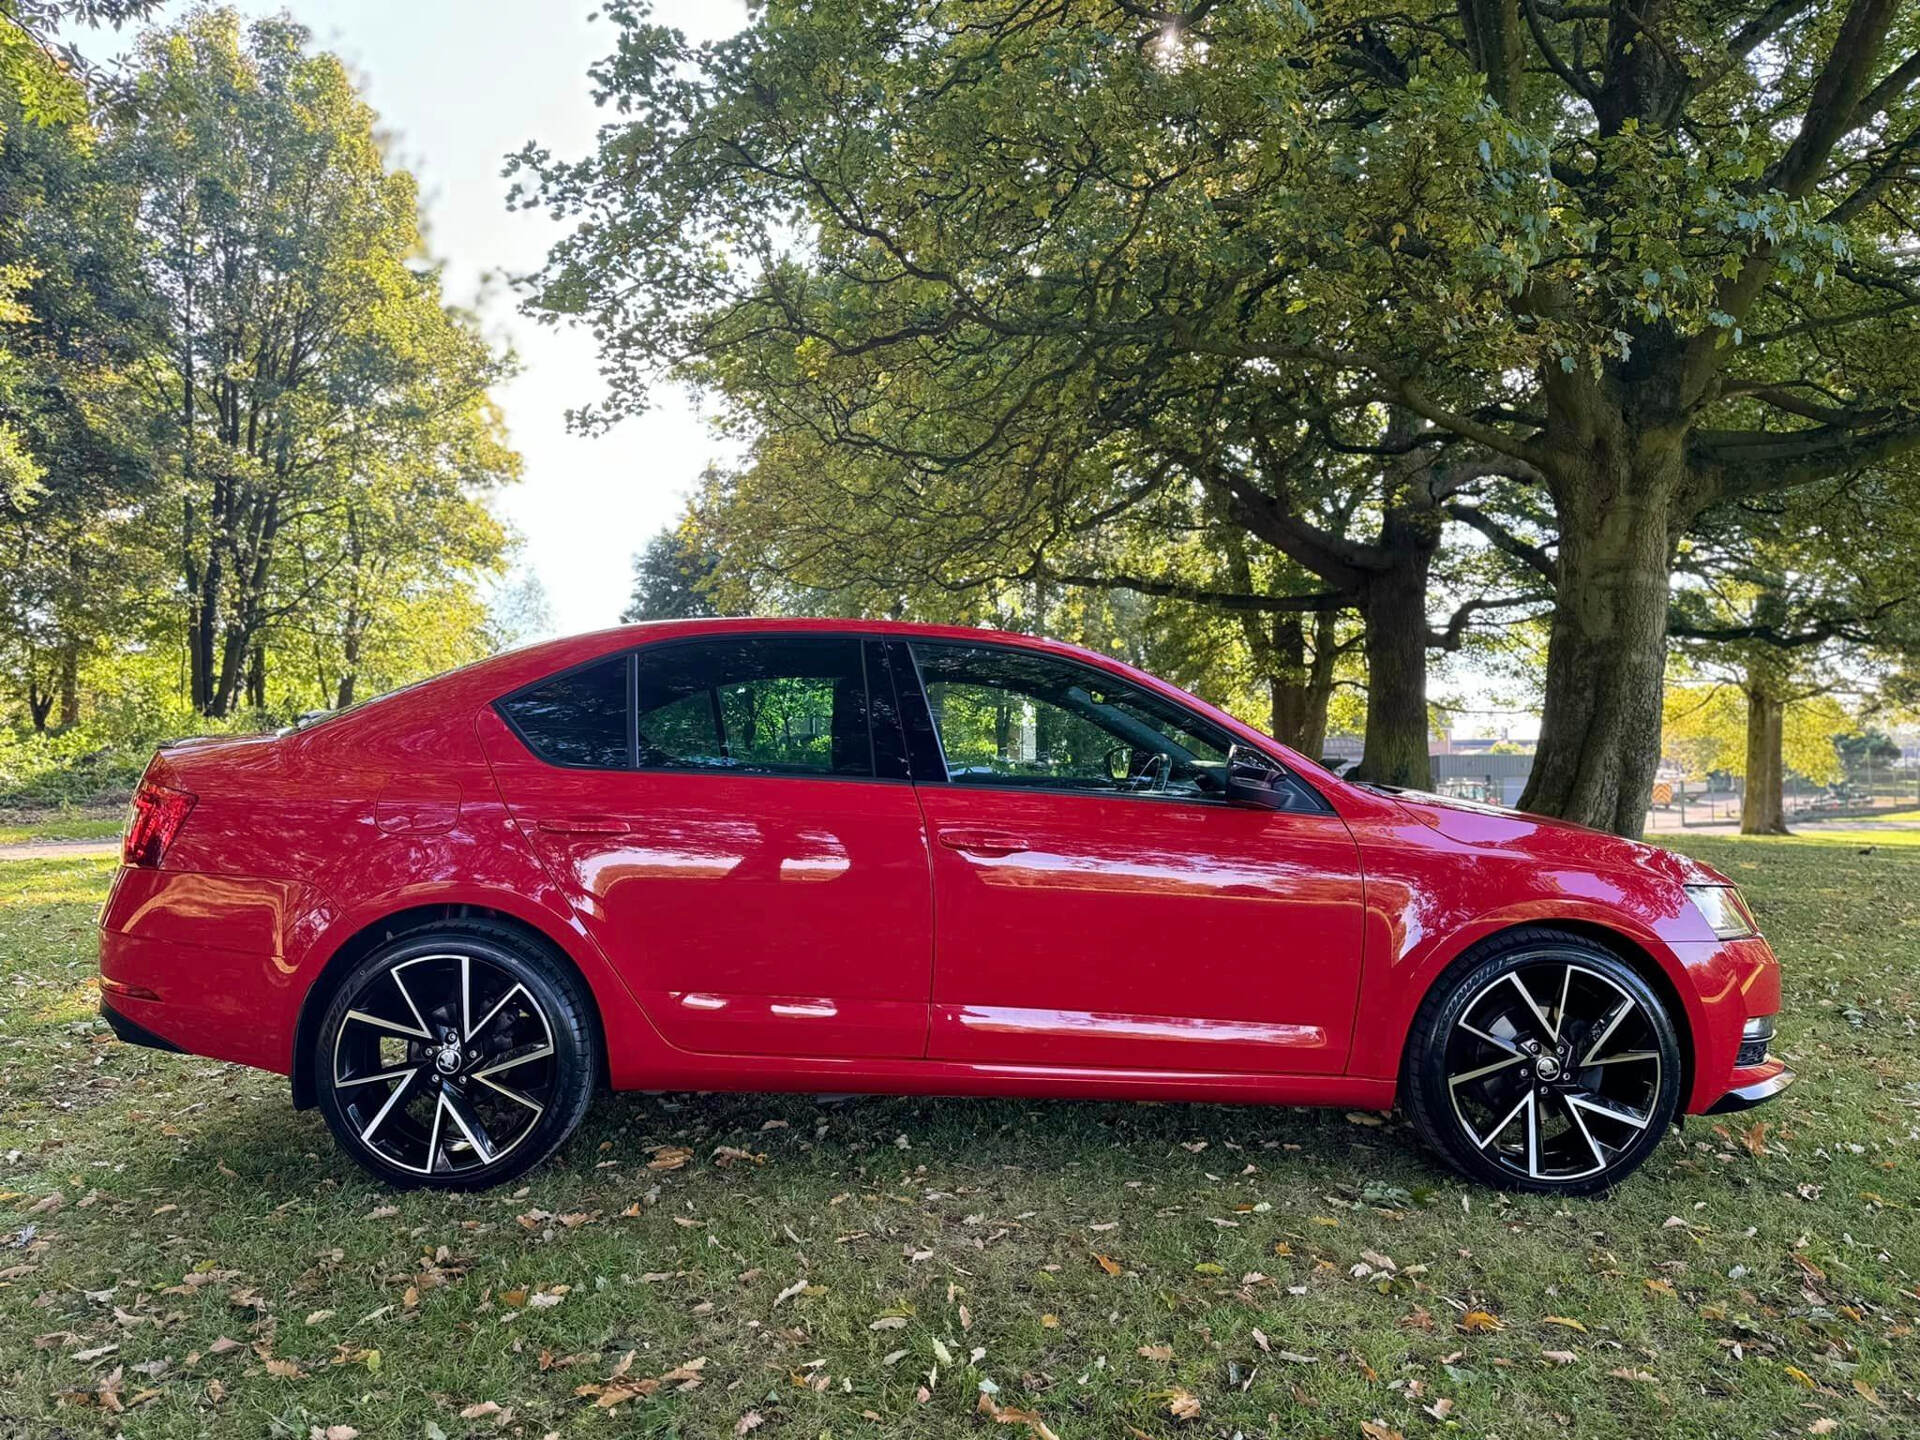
(982, 842)
(585, 825)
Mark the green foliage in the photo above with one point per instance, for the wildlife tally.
(976, 278)
(1705, 731)
(672, 578)
(245, 442)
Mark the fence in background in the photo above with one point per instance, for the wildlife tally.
(1870, 787)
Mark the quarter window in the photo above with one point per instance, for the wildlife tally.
(1016, 718)
(578, 718)
(766, 705)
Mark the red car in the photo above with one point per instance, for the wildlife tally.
(844, 856)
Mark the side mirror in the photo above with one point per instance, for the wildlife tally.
(1253, 779)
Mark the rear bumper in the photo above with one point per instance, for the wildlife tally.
(196, 999)
(1758, 1085)
(132, 1032)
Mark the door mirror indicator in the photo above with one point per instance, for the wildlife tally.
(1253, 779)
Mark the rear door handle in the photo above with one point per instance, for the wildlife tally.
(983, 842)
(585, 825)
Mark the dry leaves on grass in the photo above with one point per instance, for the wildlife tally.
(669, 1157)
(618, 1390)
(1013, 1415)
(1479, 1322)
(1183, 1404)
(1107, 1263)
(1379, 1430)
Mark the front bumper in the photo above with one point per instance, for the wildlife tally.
(1760, 1084)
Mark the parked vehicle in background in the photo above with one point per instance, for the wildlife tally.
(818, 855)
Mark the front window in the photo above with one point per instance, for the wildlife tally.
(1016, 718)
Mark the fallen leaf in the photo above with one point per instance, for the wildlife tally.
(1011, 1415)
(1560, 1357)
(1565, 1322)
(889, 1322)
(285, 1369)
(1379, 1430)
(1183, 1405)
(480, 1410)
(669, 1157)
(1479, 1322)
(1157, 1352)
(1107, 1263)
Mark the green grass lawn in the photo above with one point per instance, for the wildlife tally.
(184, 1255)
(54, 825)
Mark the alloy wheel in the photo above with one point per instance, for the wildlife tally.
(1554, 1071)
(444, 1064)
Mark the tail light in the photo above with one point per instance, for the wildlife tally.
(158, 813)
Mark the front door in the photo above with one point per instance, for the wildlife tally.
(1098, 901)
(736, 837)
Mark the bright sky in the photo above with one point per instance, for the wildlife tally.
(459, 84)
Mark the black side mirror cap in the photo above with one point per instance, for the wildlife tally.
(1253, 779)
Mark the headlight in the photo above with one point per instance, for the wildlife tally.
(1724, 910)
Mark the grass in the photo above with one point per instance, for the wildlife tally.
(92, 823)
(211, 1266)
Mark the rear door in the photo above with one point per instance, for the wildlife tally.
(1099, 902)
(733, 821)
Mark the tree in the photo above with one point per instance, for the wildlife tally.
(306, 361)
(73, 463)
(670, 578)
(47, 81)
(1792, 602)
(1707, 729)
(1646, 257)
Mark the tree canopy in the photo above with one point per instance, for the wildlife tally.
(1005, 266)
(240, 423)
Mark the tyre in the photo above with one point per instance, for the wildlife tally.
(1543, 1062)
(455, 1057)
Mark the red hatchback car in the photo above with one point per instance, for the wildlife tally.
(846, 856)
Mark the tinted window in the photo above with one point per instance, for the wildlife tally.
(579, 718)
(1015, 718)
(768, 705)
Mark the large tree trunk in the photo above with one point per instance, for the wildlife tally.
(1395, 750)
(1606, 652)
(1394, 615)
(1302, 682)
(1763, 807)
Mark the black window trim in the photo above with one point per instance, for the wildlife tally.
(632, 656)
(1319, 803)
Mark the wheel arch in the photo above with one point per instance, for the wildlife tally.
(1624, 947)
(399, 922)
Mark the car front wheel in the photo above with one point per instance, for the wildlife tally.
(1543, 1062)
(455, 1057)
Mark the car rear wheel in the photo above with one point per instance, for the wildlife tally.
(1545, 1063)
(455, 1057)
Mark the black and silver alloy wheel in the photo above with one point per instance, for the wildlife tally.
(454, 1058)
(1548, 1065)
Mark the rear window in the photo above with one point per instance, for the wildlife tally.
(579, 718)
(769, 705)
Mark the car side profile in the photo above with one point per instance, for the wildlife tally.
(865, 856)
